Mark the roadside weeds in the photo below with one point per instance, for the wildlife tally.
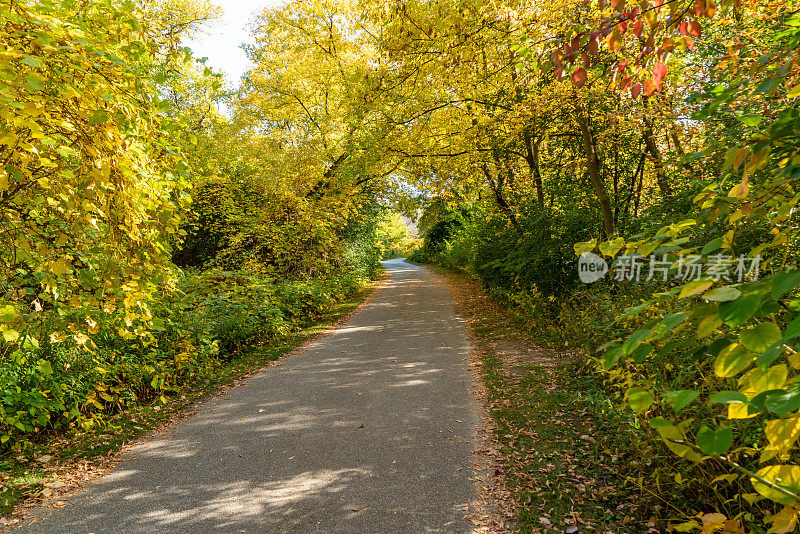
(553, 448)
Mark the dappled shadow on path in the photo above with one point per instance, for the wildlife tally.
(366, 430)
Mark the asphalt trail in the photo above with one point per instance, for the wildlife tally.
(369, 429)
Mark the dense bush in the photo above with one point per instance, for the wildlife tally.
(208, 317)
(537, 258)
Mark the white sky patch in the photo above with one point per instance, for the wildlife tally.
(221, 41)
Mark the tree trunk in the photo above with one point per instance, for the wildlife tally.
(593, 167)
(532, 157)
(657, 158)
(497, 189)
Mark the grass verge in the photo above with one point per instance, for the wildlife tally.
(56, 466)
(567, 453)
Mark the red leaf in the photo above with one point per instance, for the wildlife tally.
(711, 9)
(555, 58)
(594, 48)
(586, 61)
(689, 42)
(576, 43)
(649, 86)
(682, 27)
(622, 65)
(579, 78)
(623, 27)
(659, 71)
(637, 28)
(694, 28)
(699, 7)
(636, 90)
(625, 83)
(559, 74)
(619, 5)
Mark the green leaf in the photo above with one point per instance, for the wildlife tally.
(708, 325)
(641, 352)
(98, 117)
(658, 422)
(793, 330)
(33, 83)
(766, 358)
(636, 310)
(669, 322)
(784, 282)
(712, 245)
(610, 248)
(783, 403)
(681, 399)
(634, 340)
(8, 314)
(722, 294)
(728, 397)
(714, 441)
(760, 337)
(750, 120)
(33, 61)
(44, 367)
(639, 399)
(768, 86)
(583, 248)
(737, 311)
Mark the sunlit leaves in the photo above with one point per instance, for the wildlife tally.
(91, 186)
(785, 477)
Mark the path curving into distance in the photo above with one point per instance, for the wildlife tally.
(371, 429)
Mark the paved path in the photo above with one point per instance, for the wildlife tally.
(369, 429)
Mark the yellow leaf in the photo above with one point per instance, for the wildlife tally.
(59, 267)
(784, 476)
(783, 433)
(737, 410)
(670, 434)
(9, 334)
(758, 381)
(740, 190)
(732, 360)
(695, 287)
(708, 325)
